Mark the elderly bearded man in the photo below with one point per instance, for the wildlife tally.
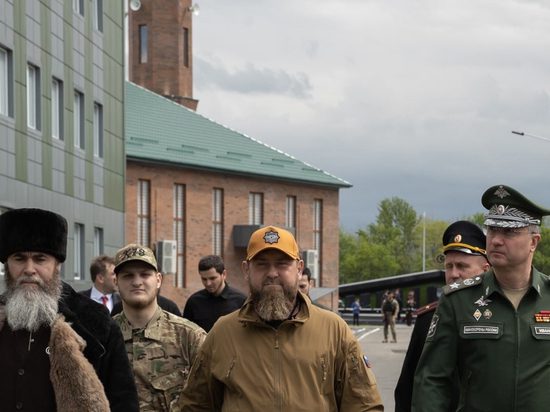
(279, 352)
(59, 351)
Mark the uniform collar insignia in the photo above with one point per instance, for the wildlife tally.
(454, 285)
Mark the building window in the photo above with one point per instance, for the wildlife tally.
(186, 47)
(291, 212)
(98, 241)
(143, 43)
(179, 232)
(6, 82)
(78, 116)
(78, 6)
(79, 258)
(33, 97)
(98, 130)
(143, 212)
(256, 208)
(318, 232)
(57, 109)
(217, 221)
(98, 15)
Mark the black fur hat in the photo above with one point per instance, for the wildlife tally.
(33, 230)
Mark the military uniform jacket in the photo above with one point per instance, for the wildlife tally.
(309, 363)
(161, 355)
(502, 354)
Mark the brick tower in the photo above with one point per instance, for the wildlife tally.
(160, 48)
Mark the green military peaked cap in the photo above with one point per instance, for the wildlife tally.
(509, 208)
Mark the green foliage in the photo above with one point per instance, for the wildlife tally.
(541, 260)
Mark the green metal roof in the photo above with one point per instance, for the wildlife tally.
(159, 130)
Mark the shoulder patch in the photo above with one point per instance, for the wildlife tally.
(466, 283)
(430, 307)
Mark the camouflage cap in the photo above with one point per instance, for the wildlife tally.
(509, 208)
(134, 252)
(465, 237)
(272, 237)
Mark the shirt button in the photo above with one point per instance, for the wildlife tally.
(21, 372)
(19, 405)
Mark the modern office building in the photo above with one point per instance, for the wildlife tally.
(62, 119)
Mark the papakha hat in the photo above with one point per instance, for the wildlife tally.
(465, 237)
(133, 252)
(272, 237)
(33, 230)
(509, 208)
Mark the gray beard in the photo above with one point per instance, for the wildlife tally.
(274, 305)
(29, 308)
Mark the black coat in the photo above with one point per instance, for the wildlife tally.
(105, 348)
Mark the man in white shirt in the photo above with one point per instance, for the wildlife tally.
(102, 272)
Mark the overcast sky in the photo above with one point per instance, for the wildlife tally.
(415, 99)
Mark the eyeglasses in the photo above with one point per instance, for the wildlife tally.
(507, 232)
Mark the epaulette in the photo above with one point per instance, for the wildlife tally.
(466, 283)
(427, 308)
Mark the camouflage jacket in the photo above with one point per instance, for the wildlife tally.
(161, 355)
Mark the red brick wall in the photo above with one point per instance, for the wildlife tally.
(198, 222)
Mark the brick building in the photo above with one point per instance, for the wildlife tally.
(200, 188)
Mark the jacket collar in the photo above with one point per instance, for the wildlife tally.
(151, 331)
(538, 282)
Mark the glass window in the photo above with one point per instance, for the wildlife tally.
(6, 82)
(33, 97)
(98, 241)
(256, 208)
(143, 43)
(98, 130)
(186, 47)
(79, 259)
(57, 109)
(217, 221)
(98, 15)
(179, 232)
(318, 232)
(78, 115)
(143, 212)
(291, 211)
(78, 6)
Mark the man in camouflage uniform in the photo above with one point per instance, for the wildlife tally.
(161, 346)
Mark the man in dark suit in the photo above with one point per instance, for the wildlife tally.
(104, 289)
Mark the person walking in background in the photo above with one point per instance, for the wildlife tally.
(465, 257)
(390, 309)
(356, 311)
(216, 299)
(103, 277)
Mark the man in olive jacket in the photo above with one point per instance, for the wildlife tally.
(279, 352)
(493, 328)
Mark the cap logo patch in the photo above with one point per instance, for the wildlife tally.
(501, 192)
(458, 238)
(132, 252)
(271, 237)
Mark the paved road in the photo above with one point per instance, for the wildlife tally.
(386, 358)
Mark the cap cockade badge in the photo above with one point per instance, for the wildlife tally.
(271, 237)
(458, 238)
(501, 192)
(501, 209)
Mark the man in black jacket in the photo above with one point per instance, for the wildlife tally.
(59, 351)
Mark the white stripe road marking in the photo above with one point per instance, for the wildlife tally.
(370, 332)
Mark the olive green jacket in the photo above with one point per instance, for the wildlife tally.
(309, 363)
(502, 355)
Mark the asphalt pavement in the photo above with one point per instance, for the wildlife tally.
(386, 359)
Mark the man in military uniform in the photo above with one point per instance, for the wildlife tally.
(279, 352)
(161, 346)
(464, 253)
(493, 329)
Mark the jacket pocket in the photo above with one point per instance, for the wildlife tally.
(168, 387)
